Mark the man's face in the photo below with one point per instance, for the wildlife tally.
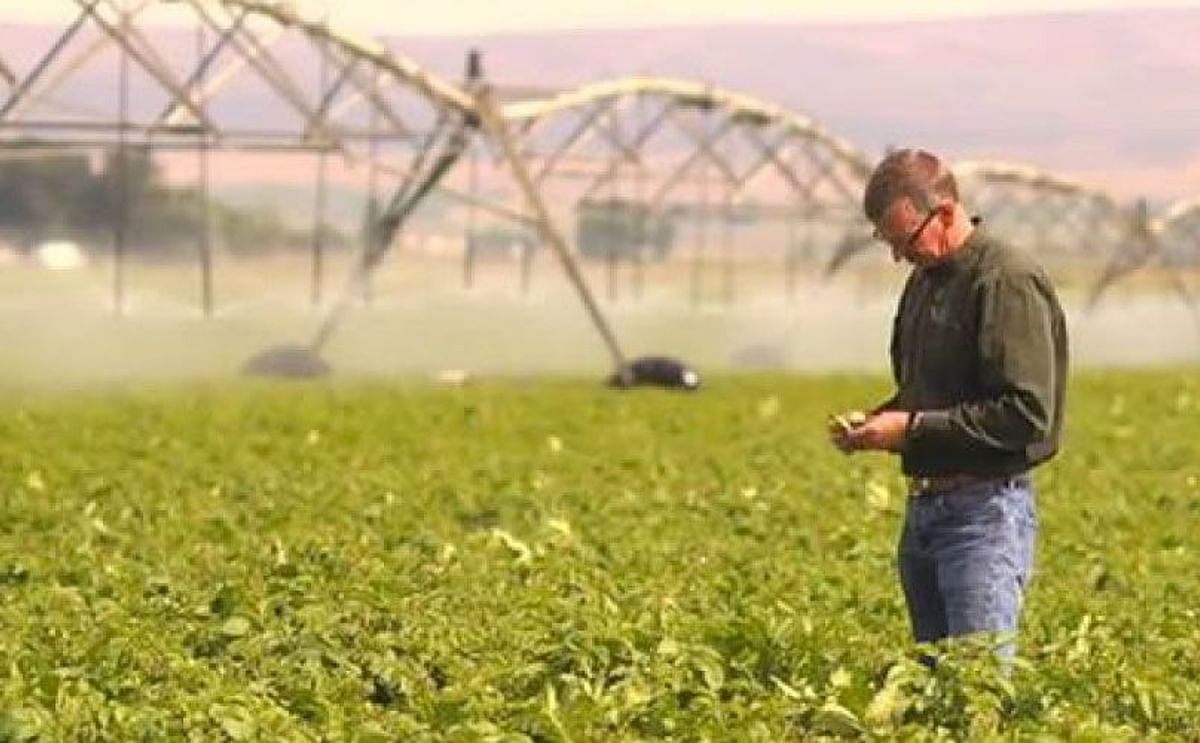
(913, 235)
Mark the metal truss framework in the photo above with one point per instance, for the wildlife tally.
(597, 131)
(201, 91)
(325, 91)
(1167, 242)
(700, 154)
(1058, 215)
(670, 146)
(1066, 220)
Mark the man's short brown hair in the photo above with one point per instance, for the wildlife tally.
(913, 174)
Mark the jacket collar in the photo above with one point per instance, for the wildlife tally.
(965, 256)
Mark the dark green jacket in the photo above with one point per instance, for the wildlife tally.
(979, 347)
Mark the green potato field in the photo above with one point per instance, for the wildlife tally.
(553, 561)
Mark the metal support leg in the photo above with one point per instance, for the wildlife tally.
(616, 225)
(700, 249)
(121, 164)
(205, 217)
(727, 266)
(318, 234)
(372, 193)
(791, 260)
(528, 250)
(469, 247)
(640, 233)
(495, 125)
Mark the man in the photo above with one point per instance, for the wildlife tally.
(979, 356)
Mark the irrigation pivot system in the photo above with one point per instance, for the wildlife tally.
(640, 155)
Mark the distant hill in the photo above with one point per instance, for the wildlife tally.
(1111, 97)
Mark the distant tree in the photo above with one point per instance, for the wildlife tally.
(40, 195)
(47, 195)
(505, 242)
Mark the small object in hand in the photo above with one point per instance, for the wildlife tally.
(838, 423)
(846, 423)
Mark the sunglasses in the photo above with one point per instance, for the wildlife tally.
(913, 236)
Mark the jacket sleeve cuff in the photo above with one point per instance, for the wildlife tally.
(929, 424)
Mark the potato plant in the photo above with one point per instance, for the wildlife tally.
(552, 561)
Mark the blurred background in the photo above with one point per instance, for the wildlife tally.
(183, 183)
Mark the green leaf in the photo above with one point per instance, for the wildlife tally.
(712, 672)
(236, 729)
(786, 689)
(519, 549)
(235, 627)
(835, 719)
(879, 497)
(840, 678)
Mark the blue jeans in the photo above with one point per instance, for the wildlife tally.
(966, 556)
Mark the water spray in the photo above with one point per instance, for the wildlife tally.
(450, 142)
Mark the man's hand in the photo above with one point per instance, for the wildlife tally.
(883, 431)
(840, 426)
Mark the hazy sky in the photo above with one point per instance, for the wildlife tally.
(483, 16)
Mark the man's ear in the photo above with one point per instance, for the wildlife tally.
(945, 210)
